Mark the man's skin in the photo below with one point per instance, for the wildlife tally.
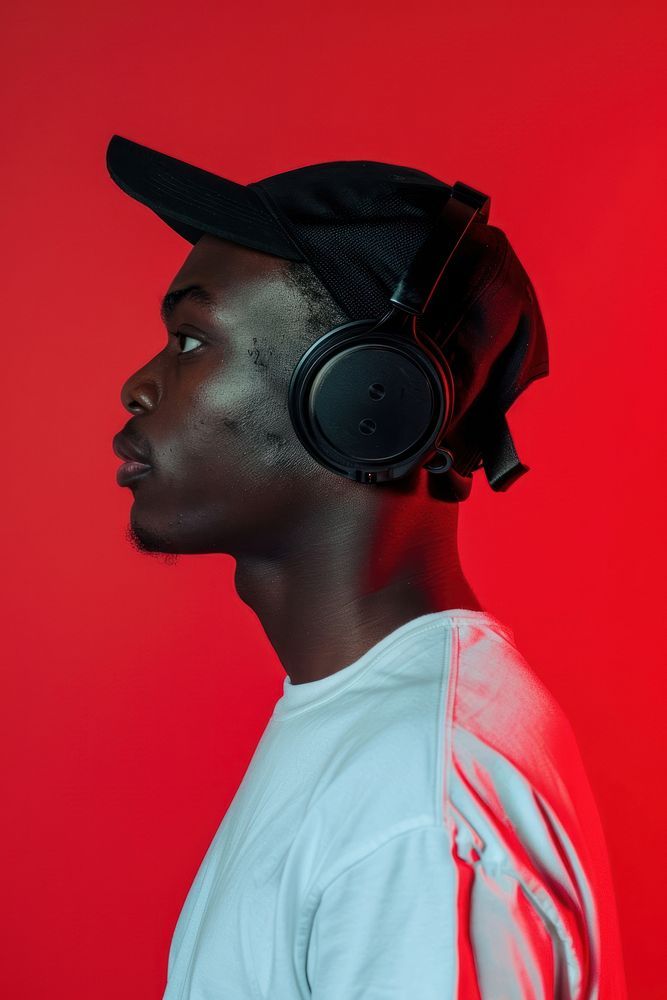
(330, 566)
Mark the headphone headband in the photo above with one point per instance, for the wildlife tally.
(415, 289)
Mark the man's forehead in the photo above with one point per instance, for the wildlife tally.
(216, 264)
(216, 272)
(207, 264)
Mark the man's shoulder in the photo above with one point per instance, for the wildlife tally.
(497, 690)
(506, 720)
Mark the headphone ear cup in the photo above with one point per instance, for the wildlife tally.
(369, 402)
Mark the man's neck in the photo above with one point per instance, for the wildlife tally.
(344, 586)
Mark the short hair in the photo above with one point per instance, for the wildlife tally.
(324, 313)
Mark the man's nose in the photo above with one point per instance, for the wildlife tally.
(142, 392)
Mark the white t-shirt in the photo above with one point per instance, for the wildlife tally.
(415, 826)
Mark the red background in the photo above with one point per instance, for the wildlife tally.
(135, 691)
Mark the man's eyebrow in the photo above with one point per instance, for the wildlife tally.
(195, 292)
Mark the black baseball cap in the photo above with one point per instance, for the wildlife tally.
(358, 224)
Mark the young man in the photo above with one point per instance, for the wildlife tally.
(415, 822)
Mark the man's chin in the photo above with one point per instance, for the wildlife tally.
(177, 534)
(150, 542)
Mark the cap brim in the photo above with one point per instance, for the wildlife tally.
(193, 201)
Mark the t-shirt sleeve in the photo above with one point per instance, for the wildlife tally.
(398, 923)
(385, 927)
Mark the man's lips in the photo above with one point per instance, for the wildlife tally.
(135, 465)
(129, 471)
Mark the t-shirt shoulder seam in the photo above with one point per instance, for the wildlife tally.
(450, 676)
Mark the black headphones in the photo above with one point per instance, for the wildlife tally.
(372, 399)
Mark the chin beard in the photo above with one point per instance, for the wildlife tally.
(150, 543)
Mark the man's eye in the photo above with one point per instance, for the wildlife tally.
(186, 336)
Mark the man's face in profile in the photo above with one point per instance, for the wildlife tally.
(210, 415)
